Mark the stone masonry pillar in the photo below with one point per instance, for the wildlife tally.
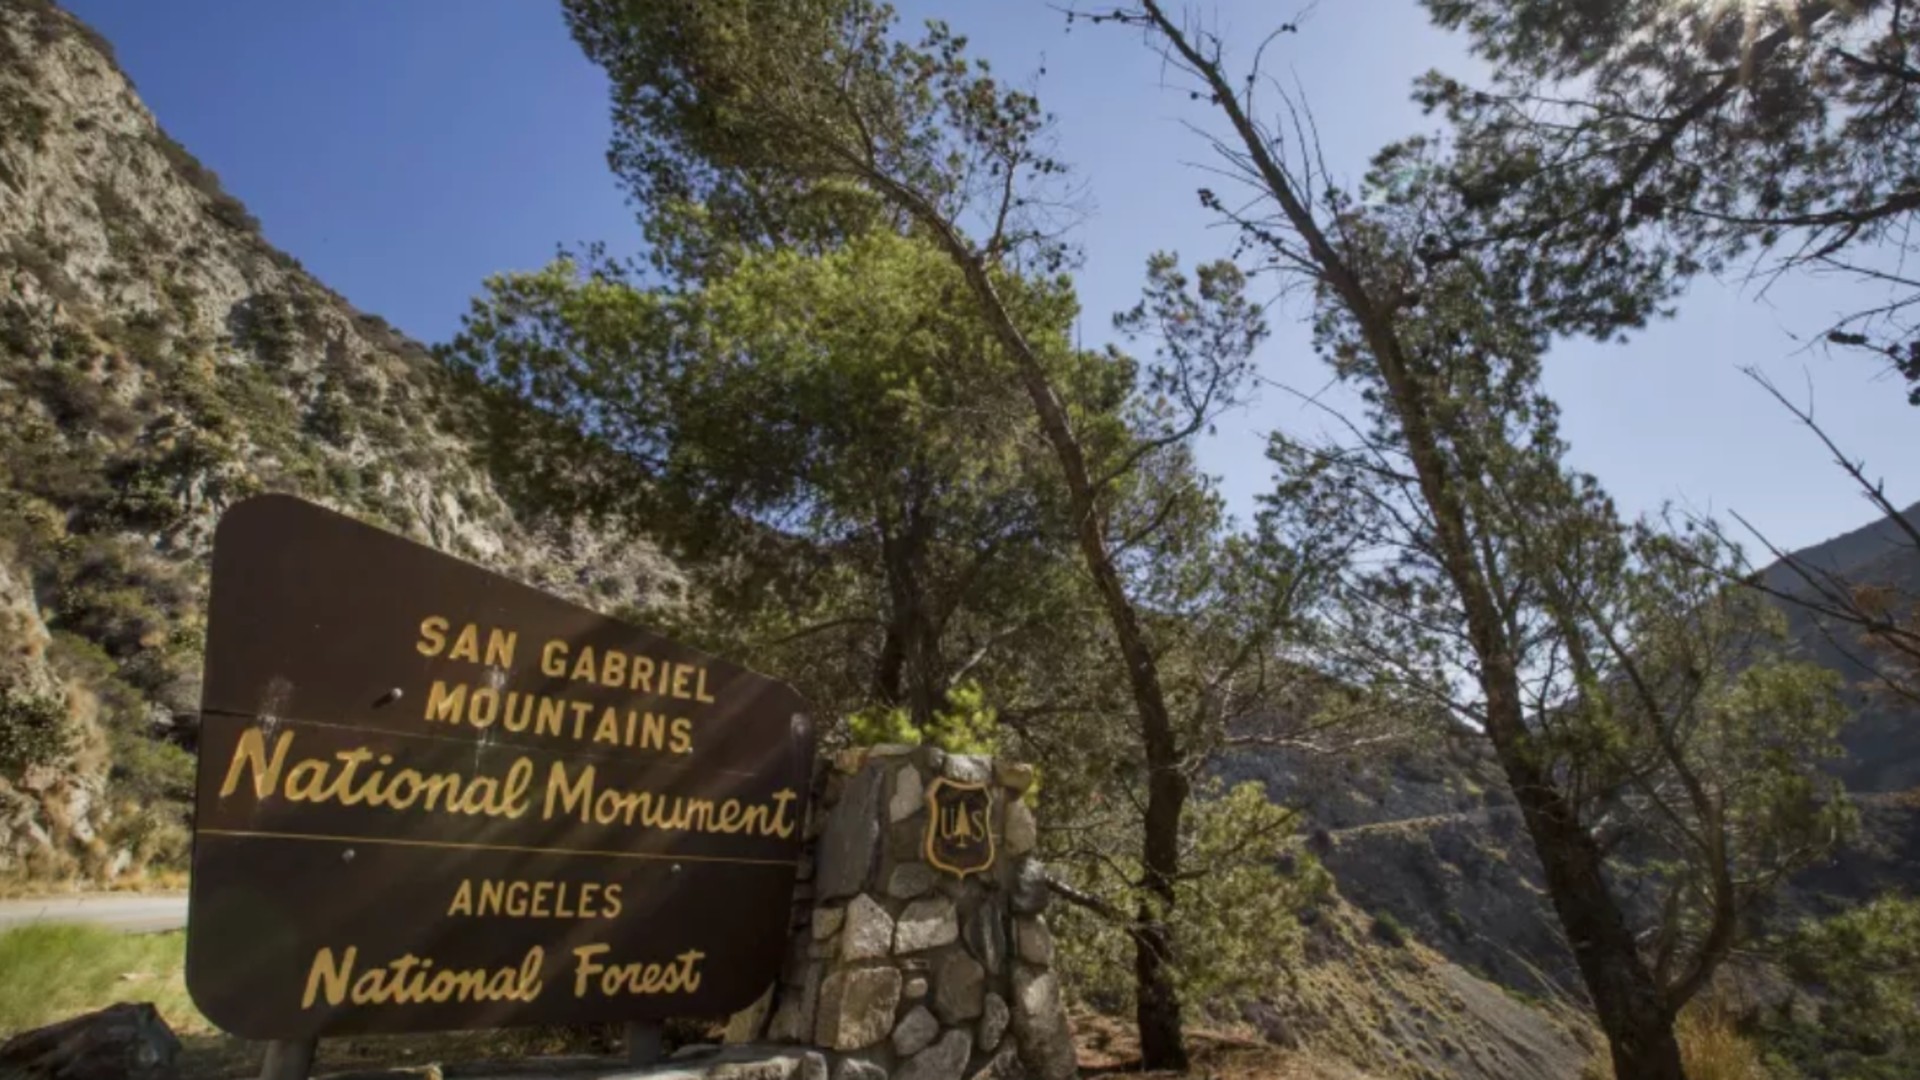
(901, 969)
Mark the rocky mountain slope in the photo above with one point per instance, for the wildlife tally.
(1883, 741)
(158, 361)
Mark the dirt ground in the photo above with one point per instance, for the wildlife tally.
(1109, 1047)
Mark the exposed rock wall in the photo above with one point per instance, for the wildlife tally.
(160, 360)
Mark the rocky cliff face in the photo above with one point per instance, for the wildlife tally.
(1428, 837)
(159, 361)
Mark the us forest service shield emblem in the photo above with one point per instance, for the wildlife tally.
(959, 827)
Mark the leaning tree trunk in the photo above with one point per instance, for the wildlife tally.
(1162, 1045)
(1157, 1000)
(1631, 1008)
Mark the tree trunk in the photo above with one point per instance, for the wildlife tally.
(1167, 787)
(1631, 1008)
(1629, 1002)
(912, 644)
(1162, 1044)
(1156, 999)
(1639, 1028)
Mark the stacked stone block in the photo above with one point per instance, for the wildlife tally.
(901, 970)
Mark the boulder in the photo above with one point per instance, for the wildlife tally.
(127, 1041)
(915, 1032)
(958, 985)
(826, 922)
(986, 936)
(944, 1060)
(993, 1023)
(868, 930)
(926, 924)
(856, 1007)
(1030, 893)
(856, 1069)
(1004, 1065)
(1014, 775)
(1022, 833)
(909, 794)
(910, 879)
(966, 769)
(1033, 941)
(851, 843)
(1040, 1024)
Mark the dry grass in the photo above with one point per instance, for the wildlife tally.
(1109, 1047)
(1711, 1047)
(74, 883)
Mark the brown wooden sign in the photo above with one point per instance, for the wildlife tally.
(433, 798)
(959, 827)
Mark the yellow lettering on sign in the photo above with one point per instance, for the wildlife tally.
(446, 703)
(609, 729)
(328, 978)
(251, 753)
(433, 635)
(613, 668)
(500, 645)
(553, 713)
(682, 976)
(583, 665)
(578, 794)
(467, 645)
(412, 979)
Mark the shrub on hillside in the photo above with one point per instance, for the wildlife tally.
(33, 730)
(224, 207)
(1388, 931)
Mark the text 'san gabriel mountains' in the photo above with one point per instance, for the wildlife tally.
(158, 361)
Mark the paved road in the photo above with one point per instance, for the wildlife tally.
(1482, 816)
(133, 914)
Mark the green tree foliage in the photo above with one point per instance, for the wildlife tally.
(1238, 914)
(1625, 146)
(744, 128)
(1864, 965)
(828, 438)
(1486, 579)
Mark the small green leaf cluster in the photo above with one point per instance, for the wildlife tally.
(966, 725)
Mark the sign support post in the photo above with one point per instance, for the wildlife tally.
(644, 1041)
(289, 1059)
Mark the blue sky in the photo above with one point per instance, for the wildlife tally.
(405, 150)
